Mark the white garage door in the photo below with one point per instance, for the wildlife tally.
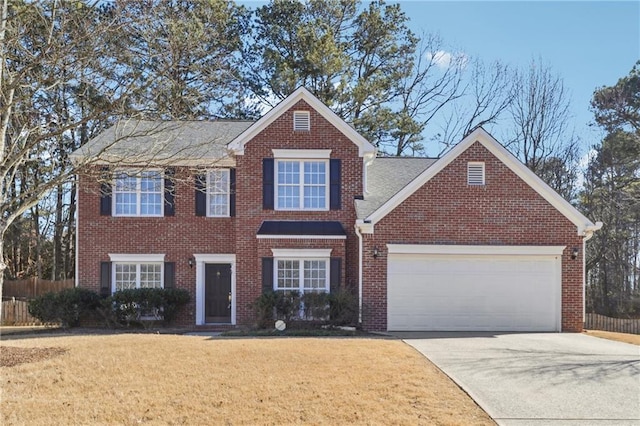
(473, 288)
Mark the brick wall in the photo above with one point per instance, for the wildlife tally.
(178, 237)
(280, 135)
(505, 211)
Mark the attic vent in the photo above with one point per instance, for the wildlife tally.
(301, 121)
(475, 173)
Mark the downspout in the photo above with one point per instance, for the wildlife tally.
(359, 234)
(588, 233)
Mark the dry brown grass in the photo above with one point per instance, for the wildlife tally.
(634, 339)
(166, 379)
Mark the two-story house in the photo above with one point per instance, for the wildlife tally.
(298, 200)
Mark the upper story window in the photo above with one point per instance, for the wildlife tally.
(218, 190)
(301, 179)
(301, 121)
(301, 184)
(475, 173)
(138, 194)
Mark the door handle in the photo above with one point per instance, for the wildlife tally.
(229, 307)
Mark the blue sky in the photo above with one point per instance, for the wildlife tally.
(589, 44)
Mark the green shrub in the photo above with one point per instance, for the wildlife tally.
(45, 308)
(144, 306)
(339, 308)
(287, 305)
(343, 308)
(66, 307)
(264, 307)
(316, 306)
(275, 305)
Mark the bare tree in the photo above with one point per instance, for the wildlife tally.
(435, 82)
(488, 93)
(60, 85)
(540, 115)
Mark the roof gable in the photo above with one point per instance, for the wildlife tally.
(584, 225)
(385, 177)
(365, 148)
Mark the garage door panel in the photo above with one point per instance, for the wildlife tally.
(467, 292)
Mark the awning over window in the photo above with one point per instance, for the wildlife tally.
(311, 228)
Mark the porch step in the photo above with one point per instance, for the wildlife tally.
(213, 327)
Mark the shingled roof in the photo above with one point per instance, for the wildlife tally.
(176, 142)
(385, 177)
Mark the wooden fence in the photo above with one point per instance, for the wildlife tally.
(33, 287)
(618, 325)
(16, 312)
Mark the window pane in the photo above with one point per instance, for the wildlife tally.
(289, 172)
(125, 276)
(314, 173)
(150, 275)
(288, 197)
(126, 203)
(150, 204)
(288, 275)
(315, 180)
(124, 182)
(151, 182)
(315, 197)
(218, 192)
(315, 275)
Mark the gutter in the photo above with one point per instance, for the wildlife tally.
(590, 229)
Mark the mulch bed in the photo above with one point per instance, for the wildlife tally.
(10, 356)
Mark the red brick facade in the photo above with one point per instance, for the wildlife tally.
(250, 214)
(505, 211)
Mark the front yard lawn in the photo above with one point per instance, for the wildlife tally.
(634, 339)
(169, 379)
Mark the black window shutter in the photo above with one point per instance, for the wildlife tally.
(232, 192)
(105, 192)
(267, 274)
(169, 192)
(105, 278)
(335, 274)
(201, 195)
(334, 184)
(267, 183)
(169, 274)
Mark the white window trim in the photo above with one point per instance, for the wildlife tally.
(307, 116)
(475, 250)
(476, 163)
(228, 172)
(136, 259)
(301, 253)
(201, 260)
(301, 260)
(133, 258)
(304, 154)
(301, 185)
(138, 193)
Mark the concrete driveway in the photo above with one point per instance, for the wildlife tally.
(540, 378)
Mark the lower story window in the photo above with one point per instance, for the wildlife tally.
(130, 275)
(302, 275)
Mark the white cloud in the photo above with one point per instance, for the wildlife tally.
(444, 59)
